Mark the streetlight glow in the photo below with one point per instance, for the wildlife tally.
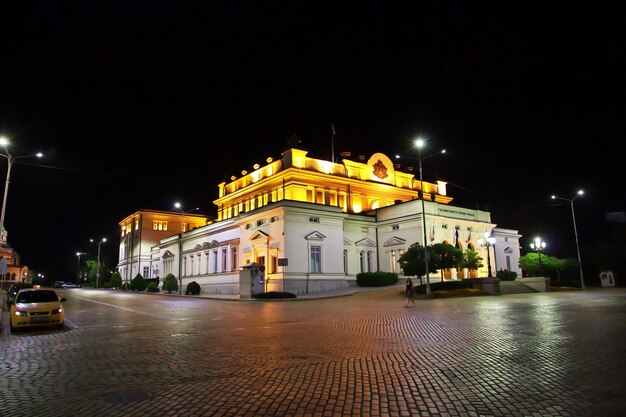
(538, 245)
(104, 239)
(178, 206)
(10, 159)
(488, 242)
(571, 202)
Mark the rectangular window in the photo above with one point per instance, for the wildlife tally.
(233, 265)
(136, 224)
(157, 225)
(361, 262)
(224, 260)
(274, 265)
(444, 226)
(215, 261)
(508, 263)
(316, 259)
(394, 261)
(369, 261)
(146, 272)
(395, 227)
(314, 219)
(345, 261)
(364, 229)
(260, 260)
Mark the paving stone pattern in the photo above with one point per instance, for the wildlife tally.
(556, 354)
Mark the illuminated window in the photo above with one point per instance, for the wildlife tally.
(364, 229)
(158, 225)
(394, 261)
(136, 224)
(274, 264)
(233, 265)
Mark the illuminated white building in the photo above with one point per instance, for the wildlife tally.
(327, 222)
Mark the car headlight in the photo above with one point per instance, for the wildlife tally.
(57, 311)
(21, 313)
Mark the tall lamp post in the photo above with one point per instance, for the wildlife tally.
(571, 201)
(538, 245)
(78, 254)
(104, 239)
(487, 242)
(419, 144)
(10, 159)
(179, 207)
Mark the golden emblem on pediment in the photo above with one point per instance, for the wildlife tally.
(380, 170)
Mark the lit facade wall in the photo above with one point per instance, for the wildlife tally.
(330, 221)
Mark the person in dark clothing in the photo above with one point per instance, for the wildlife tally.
(410, 292)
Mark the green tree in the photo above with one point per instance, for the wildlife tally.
(138, 283)
(445, 256)
(471, 260)
(116, 280)
(170, 283)
(412, 261)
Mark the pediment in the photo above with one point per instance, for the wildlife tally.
(315, 236)
(167, 254)
(259, 235)
(395, 240)
(197, 248)
(214, 244)
(508, 250)
(347, 242)
(366, 242)
(206, 245)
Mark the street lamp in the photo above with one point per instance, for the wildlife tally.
(487, 242)
(538, 245)
(419, 144)
(10, 158)
(78, 254)
(179, 207)
(104, 239)
(571, 201)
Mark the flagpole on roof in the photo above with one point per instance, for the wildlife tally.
(332, 142)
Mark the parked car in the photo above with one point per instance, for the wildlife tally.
(58, 284)
(70, 285)
(13, 290)
(36, 308)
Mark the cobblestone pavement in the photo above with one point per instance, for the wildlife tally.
(547, 354)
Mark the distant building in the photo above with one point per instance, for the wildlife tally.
(15, 272)
(316, 224)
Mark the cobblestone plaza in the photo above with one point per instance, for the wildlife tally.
(120, 354)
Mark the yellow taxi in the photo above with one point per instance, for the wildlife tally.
(33, 307)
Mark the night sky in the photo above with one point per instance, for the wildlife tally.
(140, 104)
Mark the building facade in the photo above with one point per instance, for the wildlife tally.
(141, 231)
(315, 224)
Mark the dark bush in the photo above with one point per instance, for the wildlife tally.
(170, 283)
(193, 288)
(444, 286)
(125, 286)
(376, 279)
(152, 287)
(273, 295)
(504, 275)
(138, 283)
(107, 285)
(116, 280)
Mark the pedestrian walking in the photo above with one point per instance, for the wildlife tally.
(410, 292)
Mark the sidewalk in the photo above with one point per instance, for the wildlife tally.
(345, 292)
